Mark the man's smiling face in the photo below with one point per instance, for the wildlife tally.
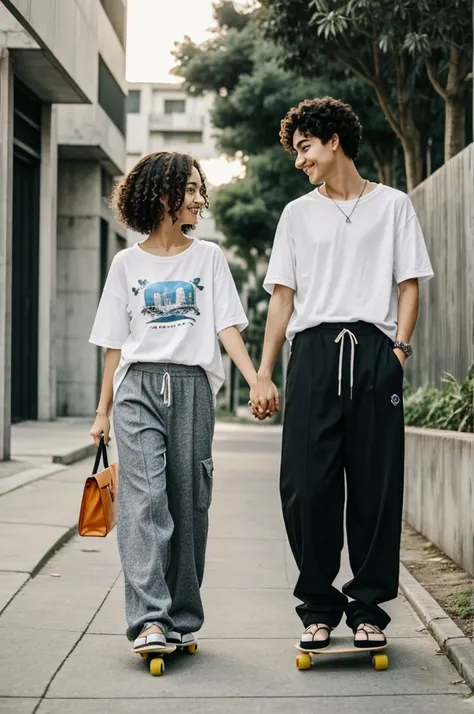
(313, 157)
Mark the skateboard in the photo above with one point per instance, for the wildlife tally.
(304, 659)
(156, 658)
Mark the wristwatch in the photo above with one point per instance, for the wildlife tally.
(408, 350)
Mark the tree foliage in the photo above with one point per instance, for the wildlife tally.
(388, 45)
(247, 210)
(253, 91)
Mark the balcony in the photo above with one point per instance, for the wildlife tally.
(176, 122)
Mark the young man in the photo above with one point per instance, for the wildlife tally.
(344, 274)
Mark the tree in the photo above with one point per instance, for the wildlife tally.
(254, 91)
(247, 210)
(437, 31)
(358, 34)
(252, 96)
(205, 67)
(443, 37)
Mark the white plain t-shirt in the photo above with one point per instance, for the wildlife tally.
(168, 309)
(345, 272)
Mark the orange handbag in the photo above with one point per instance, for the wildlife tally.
(99, 501)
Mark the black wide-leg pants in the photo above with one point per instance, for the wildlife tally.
(327, 435)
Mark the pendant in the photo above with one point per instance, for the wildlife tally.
(348, 220)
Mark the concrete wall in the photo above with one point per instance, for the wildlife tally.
(78, 275)
(86, 131)
(439, 490)
(12, 33)
(81, 207)
(6, 214)
(53, 47)
(110, 47)
(47, 266)
(67, 38)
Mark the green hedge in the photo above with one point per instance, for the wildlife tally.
(450, 407)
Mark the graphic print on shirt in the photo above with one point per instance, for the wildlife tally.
(170, 301)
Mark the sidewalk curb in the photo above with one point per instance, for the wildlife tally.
(29, 475)
(57, 545)
(458, 647)
(72, 457)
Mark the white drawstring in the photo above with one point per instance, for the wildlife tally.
(166, 389)
(340, 338)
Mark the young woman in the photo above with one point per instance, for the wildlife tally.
(164, 303)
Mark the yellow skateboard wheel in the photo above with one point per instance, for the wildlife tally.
(379, 662)
(157, 667)
(303, 661)
(192, 649)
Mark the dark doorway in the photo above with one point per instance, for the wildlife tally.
(103, 268)
(25, 254)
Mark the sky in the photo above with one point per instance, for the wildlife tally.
(152, 28)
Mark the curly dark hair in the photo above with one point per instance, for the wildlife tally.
(322, 118)
(137, 197)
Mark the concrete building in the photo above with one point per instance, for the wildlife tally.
(163, 117)
(62, 142)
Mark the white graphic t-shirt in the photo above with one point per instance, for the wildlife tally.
(345, 272)
(168, 309)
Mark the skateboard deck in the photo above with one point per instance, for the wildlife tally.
(156, 657)
(379, 658)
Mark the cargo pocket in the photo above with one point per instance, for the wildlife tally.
(204, 486)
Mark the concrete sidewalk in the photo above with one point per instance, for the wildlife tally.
(39, 449)
(63, 648)
(63, 441)
(39, 499)
(42, 448)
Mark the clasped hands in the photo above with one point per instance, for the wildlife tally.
(264, 398)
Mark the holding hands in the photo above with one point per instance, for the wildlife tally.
(264, 398)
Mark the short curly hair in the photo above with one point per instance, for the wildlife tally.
(137, 198)
(322, 118)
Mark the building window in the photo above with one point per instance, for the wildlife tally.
(175, 106)
(194, 137)
(133, 101)
(111, 97)
(187, 137)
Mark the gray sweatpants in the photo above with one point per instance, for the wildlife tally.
(165, 488)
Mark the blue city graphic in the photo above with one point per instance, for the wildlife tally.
(170, 301)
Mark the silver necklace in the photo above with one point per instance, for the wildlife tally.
(348, 217)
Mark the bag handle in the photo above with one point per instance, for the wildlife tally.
(101, 453)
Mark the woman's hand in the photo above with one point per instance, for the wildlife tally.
(264, 398)
(101, 427)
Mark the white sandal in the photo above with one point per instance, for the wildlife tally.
(176, 638)
(366, 630)
(154, 642)
(312, 644)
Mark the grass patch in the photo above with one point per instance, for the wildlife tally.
(463, 603)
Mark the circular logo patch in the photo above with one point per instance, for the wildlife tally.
(395, 399)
